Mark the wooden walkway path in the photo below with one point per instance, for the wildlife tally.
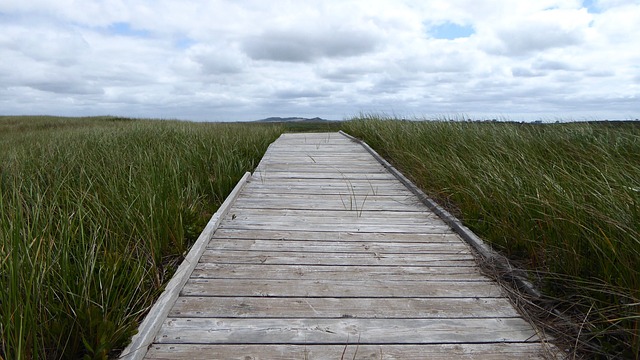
(324, 254)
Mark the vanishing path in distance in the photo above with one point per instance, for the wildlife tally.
(324, 254)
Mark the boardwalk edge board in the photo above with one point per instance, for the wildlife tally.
(151, 324)
(490, 256)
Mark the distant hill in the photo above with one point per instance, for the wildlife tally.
(291, 119)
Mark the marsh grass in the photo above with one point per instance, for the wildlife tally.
(563, 200)
(95, 214)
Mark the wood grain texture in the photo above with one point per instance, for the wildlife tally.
(339, 288)
(412, 237)
(335, 215)
(316, 258)
(351, 350)
(328, 272)
(338, 246)
(342, 331)
(326, 255)
(330, 307)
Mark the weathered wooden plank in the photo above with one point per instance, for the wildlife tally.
(350, 221)
(302, 204)
(369, 308)
(329, 181)
(240, 216)
(281, 156)
(328, 272)
(335, 216)
(417, 237)
(312, 181)
(302, 146)
(339, 288)
(300, 187)
(343, 331)
(349, 164)
(332, 162)
(312, 151)
(339, 246)
(330, 258)
(280, 153)
(361, 159)
(405, 217)
(342, 214)
(319, 190)
(293, 146)
(312, 139)
(322, 169)
(277, 153)
(319, 226)
(399, 199)
(313, 136)
(273, 176)
(328, 202)
(350, 350)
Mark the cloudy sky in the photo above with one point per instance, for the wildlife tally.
(222, 60)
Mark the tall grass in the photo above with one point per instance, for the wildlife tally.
(95, 214)
(562, 199)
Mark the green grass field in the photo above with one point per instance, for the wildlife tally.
(562, 200)
(96, 214)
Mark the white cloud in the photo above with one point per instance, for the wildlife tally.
(248, 59)
(298, 45)
(539, 31)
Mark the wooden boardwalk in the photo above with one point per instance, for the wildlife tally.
(326, 255)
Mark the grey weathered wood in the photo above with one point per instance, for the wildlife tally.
(323, 168)
(335, 272)
(341, 215)
(357, 227)
(357, 205)
(340, 288)
(350, 350)
(349, 220)
(333, 258)
(264, 176)
(408, 199)
(335, 216)
(339, 246)
(347, 183)
(413, 237)
(326, 190)
(325, 252)
(330, 307)
(362, 160)
(342, 331)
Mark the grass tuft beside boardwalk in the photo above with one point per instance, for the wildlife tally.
(95, 214)
(563, 199)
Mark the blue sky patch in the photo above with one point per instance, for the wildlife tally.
(184, 42)
(125, 29)
(451, 31)
(592, 6)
